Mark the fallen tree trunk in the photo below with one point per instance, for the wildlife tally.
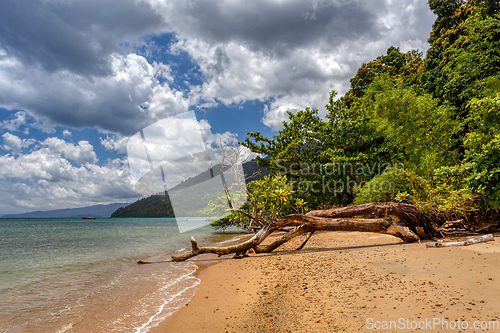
(400, 220)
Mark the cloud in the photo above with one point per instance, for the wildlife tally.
(182, 146)
(22, 121)
(14, 123)
(73, 63)
(81, 153)
(58, 174)
(79, 64)
(46, 179)
(290, 54)
(14, 143)
(273, 26)
(122, 102)
(113, 142)
(73, 35)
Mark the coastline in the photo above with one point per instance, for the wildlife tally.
(345, 281)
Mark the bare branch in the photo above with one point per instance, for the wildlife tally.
(404, 229)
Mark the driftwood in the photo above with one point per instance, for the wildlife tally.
(475, 240)
(398, 219)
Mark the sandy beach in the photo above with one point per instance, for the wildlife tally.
(347, 281)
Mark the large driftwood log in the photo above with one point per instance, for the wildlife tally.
(400, 220)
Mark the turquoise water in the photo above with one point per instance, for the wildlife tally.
(73, 275)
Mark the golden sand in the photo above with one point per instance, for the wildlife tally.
(347, 281)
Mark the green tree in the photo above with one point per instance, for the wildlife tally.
(474, 57)
(415, 125)
(483, 149)
(464, 49)
(324, 159)
(407, 66)
(268, 199)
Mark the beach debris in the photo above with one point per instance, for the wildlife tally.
(457, 224)
(401, 220)
(471, 241)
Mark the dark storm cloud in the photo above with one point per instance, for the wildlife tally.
(280, 25)
(73, 35)
(290, 52)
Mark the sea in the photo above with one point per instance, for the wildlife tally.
(76, 275)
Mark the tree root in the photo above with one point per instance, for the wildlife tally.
(409, 222)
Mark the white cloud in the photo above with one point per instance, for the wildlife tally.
(14, 143)
(110, 103)
(81, 153)
(113, 142)
(289, 53)
(14, 123)
(74, 36)
(44, 180)
(278, 51)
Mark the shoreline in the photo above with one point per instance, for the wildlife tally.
(201, 262)
(345, 281)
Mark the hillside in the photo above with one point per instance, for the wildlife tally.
(159, 205)
(100, 211)
(153, 206)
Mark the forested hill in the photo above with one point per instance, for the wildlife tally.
(159, 205)
(153, 206)
(415, 129)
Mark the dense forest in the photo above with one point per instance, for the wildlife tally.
(411, 129)
(153, 206)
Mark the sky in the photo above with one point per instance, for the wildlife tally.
(79, 78)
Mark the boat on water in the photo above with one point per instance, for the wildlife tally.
(88, 218)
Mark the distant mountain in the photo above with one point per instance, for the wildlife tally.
(159, 205)
(100, 211)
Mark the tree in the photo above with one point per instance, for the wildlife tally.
(473, 57)
(438, 117)
(324, 159)
(483, 149)
(407, 66)
(413, 124)
(464, 48)
(400, 220)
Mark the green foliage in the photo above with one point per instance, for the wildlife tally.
(483, 148)
(464, 49)
(448, 194)
(406, 66)
(473, 57)
(233, 219)
(436, 116)
(321, 156)
(449, 142)
(413, 124)
(153, 206)
(444, 195)
(393, 184)
(272, 197)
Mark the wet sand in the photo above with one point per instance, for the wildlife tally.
(347, 281)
